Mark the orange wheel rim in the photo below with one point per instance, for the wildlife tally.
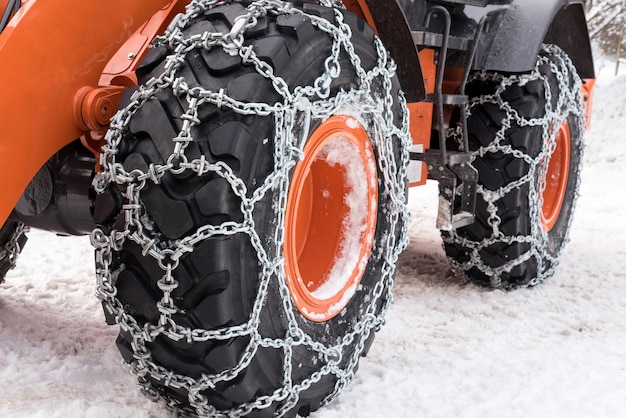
(556, 179)
(330, 218)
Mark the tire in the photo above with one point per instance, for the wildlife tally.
(12, 241)
(213, 260)
(526, 138)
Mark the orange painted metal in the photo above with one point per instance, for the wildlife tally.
(556, 179)
(120, 70)
(317, 212)
(587, 95)
(93, 108)
(48, 52)
(421, 113)
(558, 167)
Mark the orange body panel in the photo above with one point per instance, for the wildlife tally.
(587, 94)
(120, 70)
(421, 113)
(557, 173)
(94, 108)
(49, 50)
(317, 215)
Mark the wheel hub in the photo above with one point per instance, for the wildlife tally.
(330, 218)
(556, 179)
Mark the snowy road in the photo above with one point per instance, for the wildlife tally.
(448, 350)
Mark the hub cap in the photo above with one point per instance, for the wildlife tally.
(556, 179)
(330, 218)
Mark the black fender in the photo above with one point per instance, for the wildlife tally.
(513, 34)
(510, 41)
(394, 30)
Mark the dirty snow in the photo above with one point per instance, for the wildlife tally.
(449, 349)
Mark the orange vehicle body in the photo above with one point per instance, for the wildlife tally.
(51, 66)
(77, 94)
(85, 71)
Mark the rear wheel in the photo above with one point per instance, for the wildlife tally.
(526, 136)
(262, 183)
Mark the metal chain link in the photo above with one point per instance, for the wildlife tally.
(337, 4)
(303, 103)
(11, 249)
(556, 112)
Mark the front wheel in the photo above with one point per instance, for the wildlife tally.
(526, 138)
(260, 179)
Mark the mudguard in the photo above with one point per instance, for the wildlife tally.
(514, 32)
(48, 51)
(390, 23)
(510, 41)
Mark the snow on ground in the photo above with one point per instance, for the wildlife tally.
(449, 349)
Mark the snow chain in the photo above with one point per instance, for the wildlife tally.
(13, 247)
(310, 102)
(337, 4)
(567, 103)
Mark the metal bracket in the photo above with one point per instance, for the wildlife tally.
(435, 40)
(459, 168)
(457, 204)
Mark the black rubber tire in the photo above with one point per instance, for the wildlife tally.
(507, 248)
(219, 280)
(10, 246)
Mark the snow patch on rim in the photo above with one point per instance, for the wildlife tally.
(355, 224)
